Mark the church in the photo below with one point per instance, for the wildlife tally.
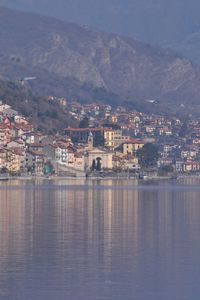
(98, 159)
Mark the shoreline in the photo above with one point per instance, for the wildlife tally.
(114, 178)
(150, 178)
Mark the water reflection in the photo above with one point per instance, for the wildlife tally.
(99, 243)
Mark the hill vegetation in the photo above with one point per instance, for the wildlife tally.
(47, 116)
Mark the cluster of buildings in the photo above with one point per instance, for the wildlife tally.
(109, 143)
(124, 131)
(25, 151)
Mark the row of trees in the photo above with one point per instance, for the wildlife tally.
(148, 156)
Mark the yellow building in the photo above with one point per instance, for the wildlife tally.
(113, 118)
(15, 161)
(113, 138)
(3, 158)
(130, 146)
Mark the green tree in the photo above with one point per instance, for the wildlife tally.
(166, 169)
(184, 129)
(98, 167)
(3, 170)
(93, 165)
(84, 123)
(148, 155)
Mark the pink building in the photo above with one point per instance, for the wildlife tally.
(5, 134)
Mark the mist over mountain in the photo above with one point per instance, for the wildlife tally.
(169, 23)
(66, 57)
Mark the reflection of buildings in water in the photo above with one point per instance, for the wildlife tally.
(117, 214)
(168, 216)
(12, 225)
(13, 237)
(122, 222)
(95, 226)
(131, 211)
(126, 217)
(186, 211)
(107, 223)
(89, 198)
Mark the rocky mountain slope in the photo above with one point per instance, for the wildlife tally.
(59, 53)
(171, 23)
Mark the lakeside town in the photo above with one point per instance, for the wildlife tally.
(109, 141)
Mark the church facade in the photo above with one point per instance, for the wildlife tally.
(97, 158)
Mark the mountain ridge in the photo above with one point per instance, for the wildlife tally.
(122, 66)
(168, 23)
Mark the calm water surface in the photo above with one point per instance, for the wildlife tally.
(107, 240)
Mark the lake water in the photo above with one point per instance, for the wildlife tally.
(89, 240)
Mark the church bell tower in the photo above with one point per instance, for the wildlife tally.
(90, 141)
